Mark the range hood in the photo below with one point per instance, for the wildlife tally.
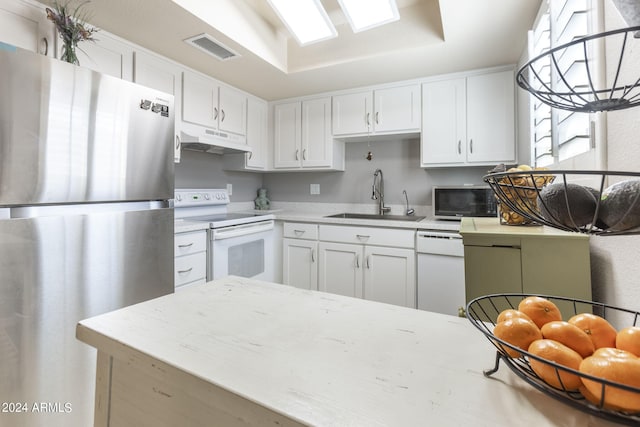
(198, 138)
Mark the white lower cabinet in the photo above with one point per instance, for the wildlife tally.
(190, 255)
(366, 270)
(300, 255)
(300, 266)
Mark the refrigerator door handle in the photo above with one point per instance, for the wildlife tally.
(84, 208)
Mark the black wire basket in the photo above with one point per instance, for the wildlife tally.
(482, 312)
(568, 92)
(592, 202)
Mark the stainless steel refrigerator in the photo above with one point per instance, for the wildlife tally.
(86, 224)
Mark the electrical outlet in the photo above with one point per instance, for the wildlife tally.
(314, 189)
(230, 189)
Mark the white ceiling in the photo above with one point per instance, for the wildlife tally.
(432, 37)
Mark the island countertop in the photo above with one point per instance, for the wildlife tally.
(245, 352)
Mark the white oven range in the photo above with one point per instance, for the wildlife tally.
(238, 243)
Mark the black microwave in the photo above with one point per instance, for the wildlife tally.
(462, 201)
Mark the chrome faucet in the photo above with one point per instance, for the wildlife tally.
(378, 192)
(409, 211)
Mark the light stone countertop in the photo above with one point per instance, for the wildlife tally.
(318, 212)
(307, 358)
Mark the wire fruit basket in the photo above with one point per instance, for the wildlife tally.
(592, 202)
(482, 312)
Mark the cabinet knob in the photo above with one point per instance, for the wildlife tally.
(186, 246)
(459, 146)
(297, 154)
(471, 145)
(313, 255)
(304, 154)
(188, 270)
(222, 115)
(215, 113)
(177, 142)
(376, 117)
(357, 261)
(366, 119)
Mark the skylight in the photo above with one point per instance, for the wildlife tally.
(363, 15)
(306, 19)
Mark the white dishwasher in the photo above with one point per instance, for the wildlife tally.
(440, 271)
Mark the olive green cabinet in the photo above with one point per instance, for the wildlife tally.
(524, 259)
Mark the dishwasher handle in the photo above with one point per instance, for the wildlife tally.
(438, 235)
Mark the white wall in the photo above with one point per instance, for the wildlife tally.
(615, 261)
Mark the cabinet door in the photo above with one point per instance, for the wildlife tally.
(491, 270)
(232, 115)
(27, 27)
(299, 263)
(340, 269)
(108, 56)
(397, 109)
(352, 113)
(198, 96)
(257, 112)
(491, 118)
(390, 275)
(443, 139)
(286, 131)
(154, 72)
(316, 133)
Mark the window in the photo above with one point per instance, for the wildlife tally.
(559, 135)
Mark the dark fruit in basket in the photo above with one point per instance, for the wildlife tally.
(620, 205)
(556, 352)
(582, 204)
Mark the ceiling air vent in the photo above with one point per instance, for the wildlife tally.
(212, 46)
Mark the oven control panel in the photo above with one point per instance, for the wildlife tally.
(201, 197)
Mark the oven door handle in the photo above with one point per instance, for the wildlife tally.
(242, 230)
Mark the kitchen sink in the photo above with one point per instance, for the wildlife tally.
(377, 216)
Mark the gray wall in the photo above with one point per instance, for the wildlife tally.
(398, 159)
(203, 170)
(400, 164)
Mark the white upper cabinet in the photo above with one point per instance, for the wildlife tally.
(257, 128)
(208, 103)
(154, 72)
(491, 118)
(302, 136)
(381, 111)
(25, 25)
(107, 55)
(468, 121)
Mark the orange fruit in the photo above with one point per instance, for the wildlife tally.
(623, 370)
(613, 352)
(562, 355)
(629, 339)
(510, 313)
(598, 328)
(540, 310)
(569, 335)
(518, 332)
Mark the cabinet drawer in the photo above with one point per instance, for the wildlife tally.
(189, 243)
(393, 237)
(190, 267)
(301, 230)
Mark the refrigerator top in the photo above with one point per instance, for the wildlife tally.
(71, 135)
